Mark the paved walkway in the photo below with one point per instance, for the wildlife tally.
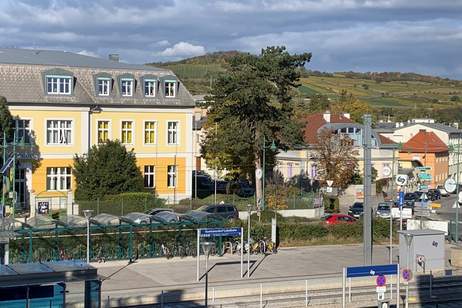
(288, 262)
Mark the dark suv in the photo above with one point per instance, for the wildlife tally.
(227, 211)
(205, 186)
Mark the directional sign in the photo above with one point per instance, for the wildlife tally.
(381, 280)
(212, 232)
(425, 176)
(424, 168)
(450, 185)
(372, 270)
(401, 179)
(401, 198)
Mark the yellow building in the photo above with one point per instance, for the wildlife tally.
(66, 102)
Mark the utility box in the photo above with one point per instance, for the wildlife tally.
(423, 249)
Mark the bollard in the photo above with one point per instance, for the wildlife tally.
(108, 303)
(261, 295)
(306, 293)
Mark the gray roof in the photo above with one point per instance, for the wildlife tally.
(64, 58)
(22, 80)
(391, 127)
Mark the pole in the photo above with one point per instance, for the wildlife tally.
(198, 255)
(263, 175)
(215, 171)
(457, 191)
(367, 218)
(242, 252)
(248, 243)
(391, 206)
(397, 286)
(88, 239)
(206, 283)
(3, 176)
(343, 288)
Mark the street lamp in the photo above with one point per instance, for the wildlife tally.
(87, 214)
(207, 247)
(273, 148)
(249, 213)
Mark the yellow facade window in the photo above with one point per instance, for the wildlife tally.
(127, 132)
(103, 131)
(150, 132)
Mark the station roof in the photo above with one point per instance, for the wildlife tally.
(23, 274)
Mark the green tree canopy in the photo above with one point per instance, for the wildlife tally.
(107, 169)
(250, 103)
(6, 120)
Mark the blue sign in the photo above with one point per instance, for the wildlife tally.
(425, 176)
(212, 232)
(372, 270)
(401, 199)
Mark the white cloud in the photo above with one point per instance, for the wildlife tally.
(88, 53)
(183, 49)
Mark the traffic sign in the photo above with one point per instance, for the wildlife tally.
(401, 179)
(329, 183)
(386, 171)
(425, 176)
(407, 274)
(381, 289)
(372, 270)
(401, 198)
(423, 168)
(258, 173)
(381, 280)
(423, 187)
(212, 232)
(450, 185)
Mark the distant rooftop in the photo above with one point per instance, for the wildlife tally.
(63, 58)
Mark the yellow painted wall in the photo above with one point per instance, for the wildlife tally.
(39, 177)
(161, 164)
(38, 124)
(138, 119)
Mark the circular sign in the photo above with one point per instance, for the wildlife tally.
(450, 185)
(460, 197)
(407, 274)
(258, 173)
(386, 171)
(381, 280)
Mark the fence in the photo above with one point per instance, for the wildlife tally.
(120, 205)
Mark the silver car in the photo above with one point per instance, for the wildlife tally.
(383, 210)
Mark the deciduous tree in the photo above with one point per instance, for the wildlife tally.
(107, 169)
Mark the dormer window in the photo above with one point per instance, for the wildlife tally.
(104, 86)
(126, 87)
(149, 88)
(59, 85)
(170, 88)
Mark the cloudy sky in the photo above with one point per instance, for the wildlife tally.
(422, 36)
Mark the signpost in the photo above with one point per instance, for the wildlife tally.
(425, 176)
(370, 271)
(215, 232)
(450, 185)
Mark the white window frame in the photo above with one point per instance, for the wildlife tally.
(103, 80)
(149, 173)
(109, 129)
(130, 129)
(26, 131)
(172, 176)
(174, 88)
(58, 80)
(177, 131)
(153, 86)
(59, 129)
(58, 178)
(132, 84)
(154, 129)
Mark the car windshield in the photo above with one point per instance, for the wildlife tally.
(358, 206)
(383, 207)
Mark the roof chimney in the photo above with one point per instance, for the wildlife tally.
(114, 57)
(326, 116)
(346, 115)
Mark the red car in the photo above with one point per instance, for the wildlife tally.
(335, 219)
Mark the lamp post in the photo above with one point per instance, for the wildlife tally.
(87, 214)
(207, 247)
(273, 148)
(249, 212)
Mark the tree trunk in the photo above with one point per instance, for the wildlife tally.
(258, 182)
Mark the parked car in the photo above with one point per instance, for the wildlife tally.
(442, 191)
(196, 216)
(356, 210)
(222, 187)
(242, 188)
(226, 211)
(383, 210)
(166, 217)
(158, 210)
(410, 199)
(334, 219)
(205, 186)
(434, 194)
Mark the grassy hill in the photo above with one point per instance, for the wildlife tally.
(380, 90)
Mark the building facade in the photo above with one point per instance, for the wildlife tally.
(64, 103)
